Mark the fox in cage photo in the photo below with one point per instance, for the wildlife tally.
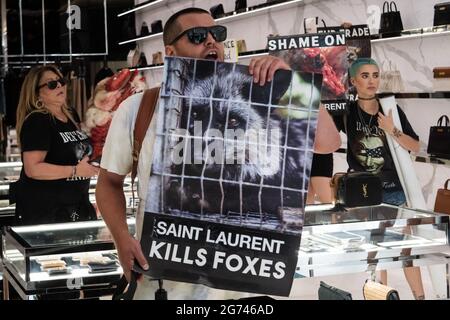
(237, 151)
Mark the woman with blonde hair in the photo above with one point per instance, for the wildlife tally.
(54, 182)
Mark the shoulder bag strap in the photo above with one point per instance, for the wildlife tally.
(143, 119)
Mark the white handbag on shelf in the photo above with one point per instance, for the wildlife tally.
(133, 57)
(390, 78)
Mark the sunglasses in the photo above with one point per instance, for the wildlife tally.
(53, 84)
(198, 35)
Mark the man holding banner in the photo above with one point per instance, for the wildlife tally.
(189, 33)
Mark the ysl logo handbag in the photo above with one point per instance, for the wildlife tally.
(442, 204)
(356, 189)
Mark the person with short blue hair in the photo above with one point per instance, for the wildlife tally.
(359, 63)
(366, 128)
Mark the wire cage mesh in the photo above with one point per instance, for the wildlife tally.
(231, 151)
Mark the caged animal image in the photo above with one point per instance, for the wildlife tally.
(231, 150)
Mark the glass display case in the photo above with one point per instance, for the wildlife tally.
(371, 238)
(59, 257)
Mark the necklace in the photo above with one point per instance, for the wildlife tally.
(360, 98)
(363, 122)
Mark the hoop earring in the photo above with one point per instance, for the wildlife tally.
(39, 104)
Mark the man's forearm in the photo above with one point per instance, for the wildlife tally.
(327, 138)
(111, 203)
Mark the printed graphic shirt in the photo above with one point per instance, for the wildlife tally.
(367, 147)
(65, 145)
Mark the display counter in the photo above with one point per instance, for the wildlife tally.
(60, 259)
(80, 256)
(369, 238)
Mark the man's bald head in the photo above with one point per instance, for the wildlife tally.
(172, 28)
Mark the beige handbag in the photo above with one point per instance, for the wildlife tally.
(391, 78)
(241, 46)
(157, 58)
(376, 291)
(133, 57)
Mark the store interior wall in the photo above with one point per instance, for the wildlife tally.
(415, 58)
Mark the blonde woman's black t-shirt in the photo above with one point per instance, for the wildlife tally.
(62, 200)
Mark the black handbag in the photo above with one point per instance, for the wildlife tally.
(142, 60)
(327, 292)
(217, 11)
(157, 26)
(240, 6)
(357, 189)
(439, 139)
(391, 21)
(144, 29)
(441, 14)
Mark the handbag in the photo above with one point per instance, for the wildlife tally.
(14, 191)
(439, 139)
(442, 203)
(310, 24)
(157, 26)
(133, 57)
(356, 189)
(241, 46)
(327, 292)
(441, 78)
(391, 21)
(142, 60)
(441, 14)
(144, 29)
(217, 11)
(376, 291)
(391, 78)
(240, 6)
(157, 58)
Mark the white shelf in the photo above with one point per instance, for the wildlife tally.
(147, 5)
(156, 35)
(413, 36)
(237, 16)
(259, 11)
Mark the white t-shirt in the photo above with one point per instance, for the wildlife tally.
(117, 158)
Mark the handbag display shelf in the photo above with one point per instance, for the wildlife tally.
(366, 238)
(82, 254)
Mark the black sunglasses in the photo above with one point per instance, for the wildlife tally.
(198, 35)
(53, 84)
